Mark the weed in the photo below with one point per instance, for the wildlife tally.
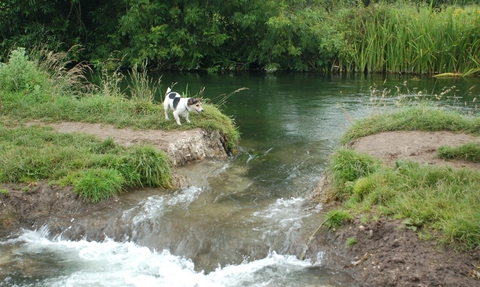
(337, 218)
(351, 241)
(4, 191)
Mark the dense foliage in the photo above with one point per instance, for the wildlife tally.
(429, 36)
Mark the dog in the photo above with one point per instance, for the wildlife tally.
(180, 106)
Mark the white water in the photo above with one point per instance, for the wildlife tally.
(109, 263)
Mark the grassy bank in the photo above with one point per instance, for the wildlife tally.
(41, 88)
(437, 202)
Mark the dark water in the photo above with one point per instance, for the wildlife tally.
(245, 219)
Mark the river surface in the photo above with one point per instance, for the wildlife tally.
(244, 220)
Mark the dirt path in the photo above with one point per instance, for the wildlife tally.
(387, 254)
(181, 146)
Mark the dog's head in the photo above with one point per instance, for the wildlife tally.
(196, 105)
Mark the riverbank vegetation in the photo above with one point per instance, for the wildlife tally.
(416, 36)
(42, 89)
(437, 202)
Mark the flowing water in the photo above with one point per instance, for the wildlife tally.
(244, 220)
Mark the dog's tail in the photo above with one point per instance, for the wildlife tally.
(168, 91)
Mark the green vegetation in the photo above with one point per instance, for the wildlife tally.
(427, 198)
(335, 218)
(42, 89)
(414, 118)
(415, 36)
(469, 152)
(351, 241)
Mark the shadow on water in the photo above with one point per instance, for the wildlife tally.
(244, 220)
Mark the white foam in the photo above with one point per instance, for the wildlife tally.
(112, 263)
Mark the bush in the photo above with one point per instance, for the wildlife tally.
(21, 74)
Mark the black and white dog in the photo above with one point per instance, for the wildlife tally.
(180, 106)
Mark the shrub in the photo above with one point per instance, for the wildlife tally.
(21, 74)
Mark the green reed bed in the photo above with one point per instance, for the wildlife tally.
(406, 38)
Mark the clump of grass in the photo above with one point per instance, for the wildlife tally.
(143, 88)
(347, 166)
(4, 191)
(469, 152)
(95, 185)
(152, 167)
(336, 218)
(42, 74)
(351, 241)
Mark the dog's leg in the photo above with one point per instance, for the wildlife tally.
(177, 118)
(186, 118)
(165, 107)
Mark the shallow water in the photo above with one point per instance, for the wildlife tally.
(244, 220)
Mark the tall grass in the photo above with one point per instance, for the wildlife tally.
(408, 38)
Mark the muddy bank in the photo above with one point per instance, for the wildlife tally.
(386, 253)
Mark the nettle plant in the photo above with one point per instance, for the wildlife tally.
(20, 74)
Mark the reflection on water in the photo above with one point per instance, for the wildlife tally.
(244, 220)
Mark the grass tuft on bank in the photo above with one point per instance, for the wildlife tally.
(422, 117)
(437, 202)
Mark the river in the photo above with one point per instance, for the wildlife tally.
(244, 220)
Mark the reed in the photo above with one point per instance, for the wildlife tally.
(407, 38)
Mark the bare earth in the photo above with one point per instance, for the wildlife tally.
(384, 255)
(387, 254)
